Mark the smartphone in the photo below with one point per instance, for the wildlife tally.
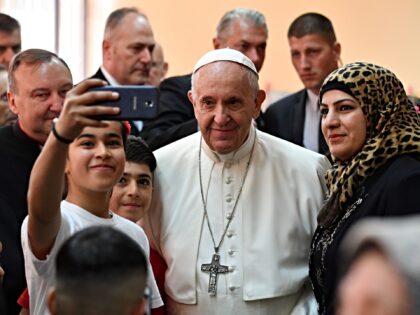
(136, 102)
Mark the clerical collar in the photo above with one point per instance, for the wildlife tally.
(111, 80)
(236, 155)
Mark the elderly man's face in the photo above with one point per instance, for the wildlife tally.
(224, 105)
(128, 50)
(39, 96)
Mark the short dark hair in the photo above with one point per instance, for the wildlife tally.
(100, 270)
(116, 17)
(137, 151)
(32, 57)
(312, 24)
(8, 24)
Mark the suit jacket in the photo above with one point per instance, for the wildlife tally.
(99, 75)
(17, 156)
(286, 119)
(176, 117)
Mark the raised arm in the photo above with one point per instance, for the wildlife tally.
(47, 177)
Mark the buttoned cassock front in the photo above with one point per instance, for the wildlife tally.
(267, 244)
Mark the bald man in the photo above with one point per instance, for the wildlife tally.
(127, 51)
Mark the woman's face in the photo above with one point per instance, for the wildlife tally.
(343, 124)
(96, 159)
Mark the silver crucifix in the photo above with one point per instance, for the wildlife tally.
(214, 268)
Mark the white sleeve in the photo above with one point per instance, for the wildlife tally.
(42, 267)
(151, 282)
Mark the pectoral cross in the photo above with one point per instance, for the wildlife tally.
(214, 268)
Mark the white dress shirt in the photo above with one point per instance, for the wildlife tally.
(312, 122)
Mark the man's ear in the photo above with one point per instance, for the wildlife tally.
(190, 97)
(52, 301)
(193, 102)
(337, 50)
(217, 43)
(66, 167)
(106, 49)
(12, 102)
(259, 99)
(165, 68)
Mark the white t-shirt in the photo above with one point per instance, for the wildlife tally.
(40, 274)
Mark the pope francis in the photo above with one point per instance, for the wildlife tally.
(233, 208)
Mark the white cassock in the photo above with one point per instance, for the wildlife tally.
(267, 243)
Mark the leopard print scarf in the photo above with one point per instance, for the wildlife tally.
(393, 128)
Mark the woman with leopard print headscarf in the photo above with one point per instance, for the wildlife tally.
(373, 134)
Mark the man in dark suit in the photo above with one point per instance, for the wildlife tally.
(38, 82)
(241, 29)
(127, 51)
(315, 53)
